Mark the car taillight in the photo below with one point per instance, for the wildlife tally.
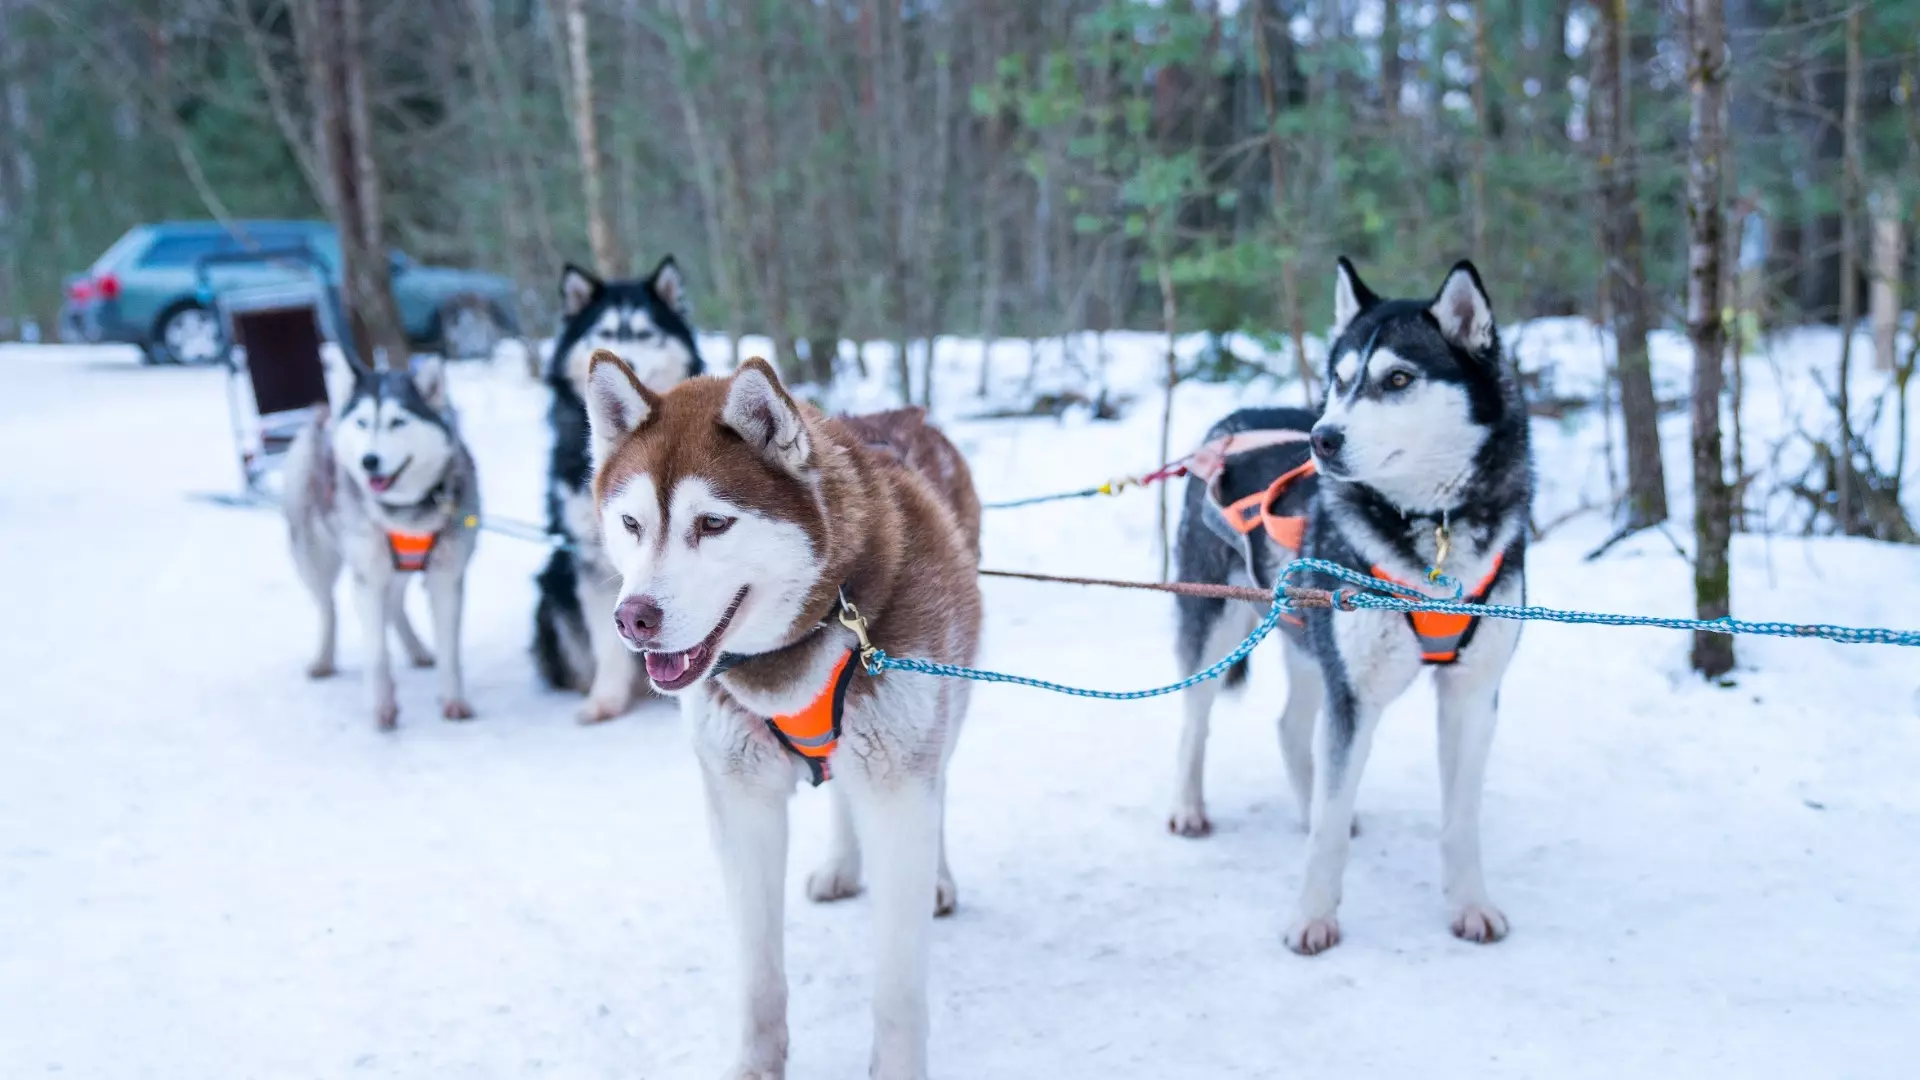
(108, 286)
(80, 291)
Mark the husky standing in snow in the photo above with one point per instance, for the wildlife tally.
(389, 490)
(646, 323)
(1422, 462)
(760, 545)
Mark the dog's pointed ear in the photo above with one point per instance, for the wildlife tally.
(577, 289)
(430, 378)
(617, 404)
(669, 286)
(761, 412)
(1350, 297)
(1462, 309)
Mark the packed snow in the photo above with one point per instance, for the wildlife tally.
(212, 867)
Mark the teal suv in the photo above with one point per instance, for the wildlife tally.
(142, 291)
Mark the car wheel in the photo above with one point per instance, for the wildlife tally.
(469, 330)
(189, 334)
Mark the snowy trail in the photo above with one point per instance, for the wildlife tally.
(210, 867)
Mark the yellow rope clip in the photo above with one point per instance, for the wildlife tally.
(1442, 547)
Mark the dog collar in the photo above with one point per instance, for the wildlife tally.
(835, 614)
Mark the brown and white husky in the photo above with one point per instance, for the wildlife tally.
(751, 534)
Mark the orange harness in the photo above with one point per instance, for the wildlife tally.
(1247, 514)
(410, 551)
(813, 732)
(1441, 636)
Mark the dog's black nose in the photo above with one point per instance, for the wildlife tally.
(371, 463)
(1327, 440)
(638, 619)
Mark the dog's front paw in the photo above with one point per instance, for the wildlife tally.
(386, 715)
(322, 669)
(1309, 937)
(835, 881)
(456, 709)
(946, 897)
(1481, 923)
(599, 710)
(1189, 821)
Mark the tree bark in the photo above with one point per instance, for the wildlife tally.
(332, 34)
(1482, 76)
(1889, 250)
(714, 213)
(1844, 511)
(1625, 268)
(1170, 318)
(586, 137)
(1277, 170)
(1706, 73)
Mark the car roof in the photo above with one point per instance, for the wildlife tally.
(208, 226)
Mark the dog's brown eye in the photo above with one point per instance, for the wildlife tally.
(632, 526)
(712, 524)
(1399, 380)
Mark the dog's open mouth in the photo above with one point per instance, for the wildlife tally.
(679, 670)
(381, 484)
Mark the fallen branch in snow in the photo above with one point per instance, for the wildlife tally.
(1539, 532)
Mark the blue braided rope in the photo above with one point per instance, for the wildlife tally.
(1369, 595)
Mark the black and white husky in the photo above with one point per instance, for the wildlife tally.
(1422, 459)
(388, 490)
(645, 322)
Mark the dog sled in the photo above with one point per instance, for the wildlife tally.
(273, 330)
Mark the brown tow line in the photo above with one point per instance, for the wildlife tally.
(1298, 595)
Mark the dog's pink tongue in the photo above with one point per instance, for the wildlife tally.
(666, 667)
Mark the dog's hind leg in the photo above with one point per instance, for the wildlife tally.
(901, 815)
(446, 595)
(749, 822)
(946, 894)
(838, 877)
(410, 643)
(1306, 692)
(320, 569)
(1468, 701)
(1209, 629)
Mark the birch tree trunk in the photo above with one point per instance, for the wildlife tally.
(1170, 318)
(1712, 515)
(586, 137)
(1889, 250)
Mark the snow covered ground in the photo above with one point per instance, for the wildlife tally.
(211, 867)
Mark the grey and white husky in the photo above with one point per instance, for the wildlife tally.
(1422, 463)
(389, 490)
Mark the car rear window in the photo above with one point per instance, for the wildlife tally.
(185, 250)
(128, 243)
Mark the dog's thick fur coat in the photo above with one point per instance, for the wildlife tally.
(737, 519)
(1424, 430)
(647, 322)
(392, 462)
